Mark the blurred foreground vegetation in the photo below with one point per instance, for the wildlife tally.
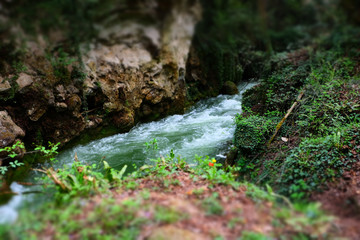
(106, 205)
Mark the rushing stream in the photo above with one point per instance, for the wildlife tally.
(203, 130)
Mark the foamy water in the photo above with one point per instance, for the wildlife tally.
(203, 130)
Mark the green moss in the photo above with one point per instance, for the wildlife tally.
(252, 132)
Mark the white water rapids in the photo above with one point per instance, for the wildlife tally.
(203, 130)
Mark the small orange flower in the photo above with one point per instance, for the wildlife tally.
(211, 164)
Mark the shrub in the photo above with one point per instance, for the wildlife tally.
(278, 91)
(252, 132)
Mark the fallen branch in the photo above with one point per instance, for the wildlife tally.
(27, 183)
(278, 126)
(88, 111)
(9, 193)
(52, 175)
(50, 172)
(38, 170)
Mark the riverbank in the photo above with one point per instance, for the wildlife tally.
(168, 200)
(206, 129)
(299, 132)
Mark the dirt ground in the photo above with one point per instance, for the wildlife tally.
(237, 212)
(342, 199)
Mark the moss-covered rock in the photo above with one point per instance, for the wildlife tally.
(229, 88)
(252, 132)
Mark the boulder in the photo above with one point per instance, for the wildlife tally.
(4, 85)
(229, 88)
(139, 67)
(24, 80)
(9, 131)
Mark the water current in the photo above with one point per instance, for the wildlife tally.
(204, 130)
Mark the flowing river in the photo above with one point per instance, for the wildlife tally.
(203, 130)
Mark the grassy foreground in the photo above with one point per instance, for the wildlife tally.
(167, 200)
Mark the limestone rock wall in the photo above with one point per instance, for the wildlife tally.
(134, 71)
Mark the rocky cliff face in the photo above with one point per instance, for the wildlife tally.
(134, 71)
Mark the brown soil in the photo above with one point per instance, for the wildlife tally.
(187, 198)
(342, 199)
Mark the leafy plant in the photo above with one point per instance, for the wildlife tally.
(18, 149)
(215, 172)
(12, 154)
(153, 144)
(49, 153)
(80, 179)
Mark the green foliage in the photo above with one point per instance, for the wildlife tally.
(167, 215)
(226, 55)
(258, 194)
(12, 154)
(252, 132)
(17, 150)
(113, 175)
(153, 144)
(217, 45)
(329, 114)
(14, 87)
(49, 153)
(60, 63)
(283, 87)
(163, 166)
(343, 41)
(124, 219)
(107, 220)
(317, 160)
(323, 125)
(215, 172)
(81, 180)
(279, 90)
(19, 67)
(305, 219)
(311, 217)
(246, 235)
(330, 102)
(76, 18)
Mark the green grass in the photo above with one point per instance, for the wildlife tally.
(111, 218)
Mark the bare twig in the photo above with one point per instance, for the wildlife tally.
(285, 117)
(19, 154)
(38, 170)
